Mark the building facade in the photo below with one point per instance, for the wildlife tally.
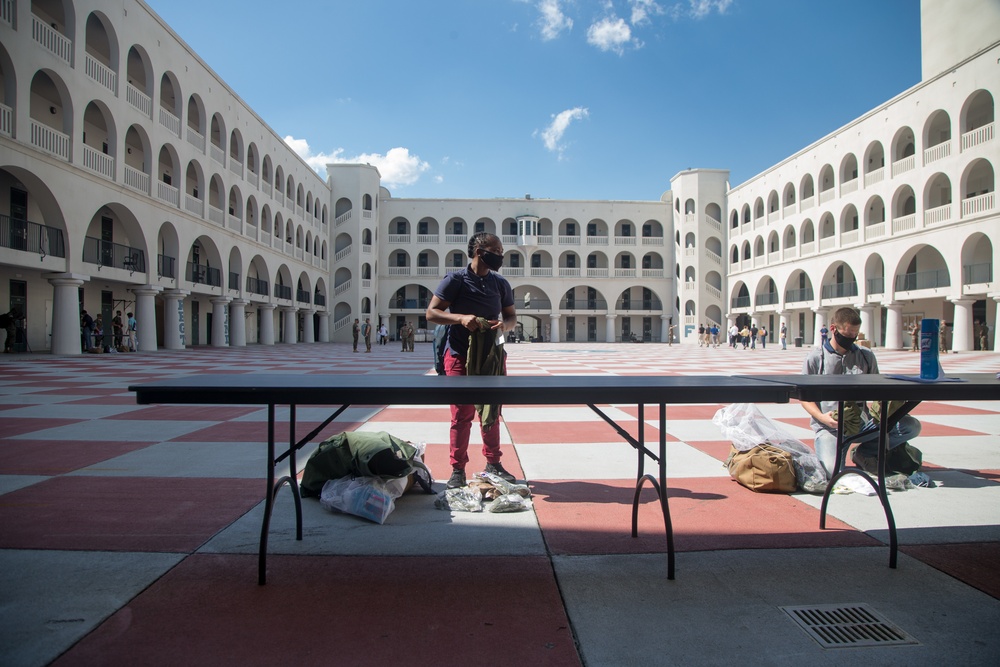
(133, 178)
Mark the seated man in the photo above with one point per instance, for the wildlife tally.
(840, 356)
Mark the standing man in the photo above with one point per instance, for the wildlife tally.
(478, 306)
(715, 335)
(411, 335)
(117, 329)
(984, 337)
(356, 331)
(366, 331)
(670, 335)
(383, 335)
(701, 334)
(763, 337)
(9, 323)
(943, 337)
(87, 327)
(753, 336)
(784, 336)
(132, 329)
(734, 332)
(842, 357)
(823, 335)
(915, 336)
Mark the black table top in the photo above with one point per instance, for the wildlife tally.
(330, 389)
(815, 388)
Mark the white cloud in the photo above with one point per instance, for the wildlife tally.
(552, 135)
(553, 21)
(609, 34)
(397, 166)
(643, 9)
(699, 9)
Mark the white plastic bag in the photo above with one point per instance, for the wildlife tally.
(746, 426)
(366, 497)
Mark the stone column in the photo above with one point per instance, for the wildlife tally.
(554, 327)
(220, 321)
(307, 326)
(893, 326)
(610, 323)
(266, 324)
(66, 312)
(238, 323)
(996, 321)
(324, 327)
(174, 337)
(290, 332)
(145, 316)
(867, 324)
(962, 334)
(819, 324)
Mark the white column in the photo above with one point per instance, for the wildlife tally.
(145, 316)
(173, 319)
(266, 324)
(307, 326)
(893, 326)
(819, 324)
(291, 325)
(996, 321)
(609, 327)
(962, 333)
(66, 312)
(324, 327)
(220, 321)
(867, 325)
(554, 327)
(238, 323)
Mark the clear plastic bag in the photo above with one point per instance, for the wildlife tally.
(503, 485)
(366, 497)
(509, 502)
(462, 499)
(746, 427)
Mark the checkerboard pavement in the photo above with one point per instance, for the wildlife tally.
(128, 533)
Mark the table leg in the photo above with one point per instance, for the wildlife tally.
(273, 486)
(659, 483)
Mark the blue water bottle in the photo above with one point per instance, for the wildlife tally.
(929, 366)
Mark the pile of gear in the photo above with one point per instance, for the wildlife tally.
(485, 492)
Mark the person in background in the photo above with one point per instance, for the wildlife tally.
(714, 331)
(383, 335)
(943, 337)
(117, 329)
(701, 334)
(915, 336)
(131, 330)
(468, 301)
(87, 331)
(784, 337)
(366, 333)
(356, 331)
(8, 322)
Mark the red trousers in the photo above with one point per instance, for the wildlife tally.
(461, 423)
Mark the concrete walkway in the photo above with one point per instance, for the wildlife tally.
(128, 533)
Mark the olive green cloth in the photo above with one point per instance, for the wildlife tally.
(485, 357)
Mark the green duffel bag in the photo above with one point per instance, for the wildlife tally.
(360, 454)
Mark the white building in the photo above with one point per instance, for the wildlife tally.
(132, 178)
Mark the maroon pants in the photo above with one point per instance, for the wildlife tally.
(461, 423)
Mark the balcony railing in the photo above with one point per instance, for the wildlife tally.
(319, 299)
(906, 282)
(101, 73)
(52, 39)
(975, 274)
(798, 295)
(44, 138)
(741, 301)
(876, 285)
(977, 205)
(166, 267)
(98, 162)
(283, 292)
(257, 286)
(31, 237)
(302, 296)
(583, 304)
(839, 290)
(977, 136)
(937, 152)
(200, 274)
(142, 102)
(116, 255)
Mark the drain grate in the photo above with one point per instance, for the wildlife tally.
(848, 626)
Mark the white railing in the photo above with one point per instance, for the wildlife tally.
(933, 216)
(279, 244)
(774, 257)
(807, 202)
(455, 239)
(98, 162)
(790, 253)
(690, 251)
(873, 177)
(196, 139)
(652, 240)
(299, 253)
(142, 102)
(170, 121)
(100, 73)
(7, 12)
(6, 120)
(568, 240)
(366, 215)
(934, 153)
(758, 261)
(597, 240)
(827, 243)
(236, 166)
(428, 270)
(399, 239)
(136, 180)
(217, 215)
(711, 222)
(342, 253)
(427, 238)
(848, 187)
(341, 323)
(690, 286)
(875, 231)
(788, 210)
(773, 215)
(904, 165)
(825, 196)
(168, 193)
(652, 273)
(217, 154)
(235, 223)
(513, 271)
(625, 273)
(977, 205)
(395, 270)
(366, 248)
(570, 271)
(299, 211)
(689, 319)
(194, 205)
(51, 141)
(342, 287)
(342, 218)
(808, 248)
(977, 136)
(904, 223)
(52, 39)
(712, 257)
(850, 236)
(279, 196)
(713, 291)
(268, 188)
(254, 179)
(625, 240)
(545, 271)
(544, 240)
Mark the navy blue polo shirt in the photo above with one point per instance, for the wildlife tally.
(468, 293)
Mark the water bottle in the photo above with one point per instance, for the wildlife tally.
(929, 366)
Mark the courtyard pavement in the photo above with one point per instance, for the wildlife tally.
(129, 533)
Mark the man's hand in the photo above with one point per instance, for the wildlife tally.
(827, 419)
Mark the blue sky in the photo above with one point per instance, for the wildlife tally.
(560, 99)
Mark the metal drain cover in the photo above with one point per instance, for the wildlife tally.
(847, 626)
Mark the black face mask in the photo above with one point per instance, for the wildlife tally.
(843, 341)
(492, 260)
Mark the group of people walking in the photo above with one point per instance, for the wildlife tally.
(123, 333)
(750, 334)
(363, 331)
